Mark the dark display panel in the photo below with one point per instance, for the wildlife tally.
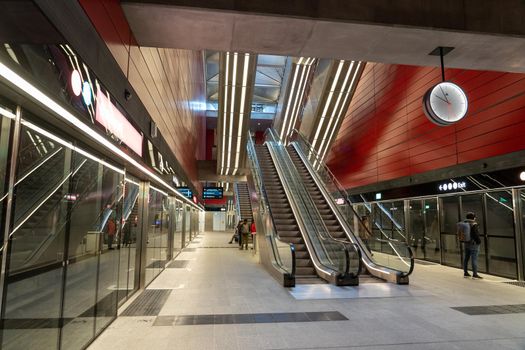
(212, 193)
(186, 192)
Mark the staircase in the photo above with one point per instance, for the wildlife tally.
(283, 217)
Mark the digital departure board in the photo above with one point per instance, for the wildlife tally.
(186, 192)
(212, 193)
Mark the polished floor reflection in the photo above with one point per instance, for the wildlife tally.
(222, 281)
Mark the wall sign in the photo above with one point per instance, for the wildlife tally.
(76, 83)
(110, 117)
(452, 186)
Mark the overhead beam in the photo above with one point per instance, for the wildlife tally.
(398, 32)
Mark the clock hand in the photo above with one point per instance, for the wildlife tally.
(442, 99)
(444, 95)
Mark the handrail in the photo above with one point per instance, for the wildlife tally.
(237, 203)
(266, 211)
(309, 214)
(371, 262)
(339, 186)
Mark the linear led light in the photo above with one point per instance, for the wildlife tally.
(242, 108)
(232, 110)
(294, 118)
(327, 103)
(299, 96)
(7, 113)
(350, 88)
(45, 101)
(283, 125)
(131, 181)
(225, 104)
(336, 106)
(158, 190)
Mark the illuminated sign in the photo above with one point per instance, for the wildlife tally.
(185, 191)
(452, 186)
(76, 83)
(87, 96)
(378, 196)
(109, 116)
(212, 193)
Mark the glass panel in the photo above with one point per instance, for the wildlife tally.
(128, 240)
(111, 200)
(474, 203)
(177, 239)
(500, 214)
(430, 213)
(84, 243)
(450, 245)
(5, 158)
(34, 278)
(164, 231)
(187, 230)
(502, 256)
(417, 228)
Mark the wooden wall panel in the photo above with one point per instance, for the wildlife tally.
(385, 134)
(170, 83)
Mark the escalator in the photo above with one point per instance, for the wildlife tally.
(244, 207)
(395, 264)
(283, 217)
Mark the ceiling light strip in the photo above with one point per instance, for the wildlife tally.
(285, 120)
(225, 104)
(242, 109)
(336, 107)
(353, 83)
(232, 110)
(294, 120)
(7, 113)
(327, 102)
(44, 100)
(297, 101)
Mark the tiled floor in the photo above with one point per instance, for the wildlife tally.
(218, 281)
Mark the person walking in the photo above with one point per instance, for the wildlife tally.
(365, 232)
(469, 236)
(245, 231)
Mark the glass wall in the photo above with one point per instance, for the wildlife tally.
(177, 236)
(432, 223)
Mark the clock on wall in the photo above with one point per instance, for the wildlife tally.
(445, 103)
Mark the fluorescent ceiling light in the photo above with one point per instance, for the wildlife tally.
(283, 125)
(335, 110)
(327, 102)
(232, 110)
(44, 100)
(7, 113)
(225, 104)
(242, 108)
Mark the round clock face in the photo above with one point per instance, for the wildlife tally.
(445, 103)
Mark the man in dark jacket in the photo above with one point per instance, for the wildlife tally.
(472, 247)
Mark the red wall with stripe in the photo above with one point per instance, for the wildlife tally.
(385, 134)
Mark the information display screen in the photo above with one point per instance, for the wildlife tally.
(212, 193)
(186, 192)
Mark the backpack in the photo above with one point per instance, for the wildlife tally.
(463, 231)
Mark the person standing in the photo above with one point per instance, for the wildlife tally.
(245, 231)
(112, 229)
(253, 231)
(364, 232)
(471, 246)
(236, 233)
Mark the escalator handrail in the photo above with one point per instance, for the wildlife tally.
(324, 235)
(346, 228)
(256, 169)
(338, 185)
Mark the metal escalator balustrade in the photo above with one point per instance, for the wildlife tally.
(395, 262)
(335, 261)
(282, 214)
(279, 256)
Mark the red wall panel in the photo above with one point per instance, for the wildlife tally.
(385, 134)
